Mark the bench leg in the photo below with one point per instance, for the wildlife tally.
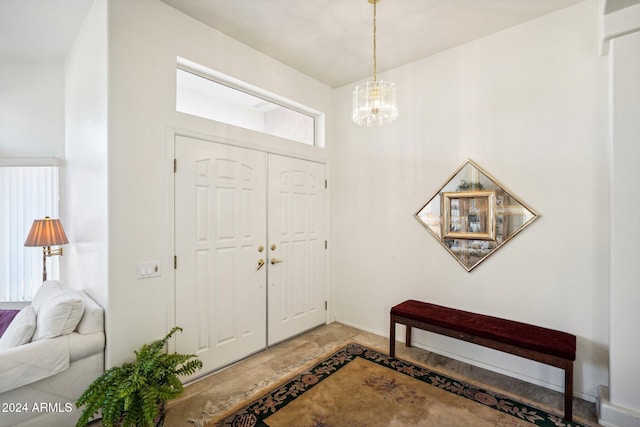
(392, 337)
(568, 392)
(407, 340)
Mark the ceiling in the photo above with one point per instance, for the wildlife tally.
(329, 40)
(332, 40)
(39, 30)
(616, 5)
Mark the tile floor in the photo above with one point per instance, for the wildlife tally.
(237, 383)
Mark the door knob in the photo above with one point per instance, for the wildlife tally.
(275, 260)
(260, 264)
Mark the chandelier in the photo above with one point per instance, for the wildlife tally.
(375, 103)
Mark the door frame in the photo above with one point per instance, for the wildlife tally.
(237, 137)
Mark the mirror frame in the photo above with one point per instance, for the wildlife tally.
(487, 227)
(488, 231)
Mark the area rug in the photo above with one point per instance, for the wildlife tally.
(361, 387)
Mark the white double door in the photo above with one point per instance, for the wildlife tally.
(250, 249)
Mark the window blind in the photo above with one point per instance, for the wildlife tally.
(26, 193)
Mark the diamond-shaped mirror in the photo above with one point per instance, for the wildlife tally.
(472, 215)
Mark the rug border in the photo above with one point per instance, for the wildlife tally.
(554, 410)
(448, 374)
(278, 383)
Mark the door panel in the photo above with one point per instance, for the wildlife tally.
(221, 210)
(220, 204)
(296, 238)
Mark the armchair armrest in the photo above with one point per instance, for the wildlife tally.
(32, 362)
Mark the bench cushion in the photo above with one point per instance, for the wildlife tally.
(543, 340)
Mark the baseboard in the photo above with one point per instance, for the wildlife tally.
(610, 415)
(362, 328)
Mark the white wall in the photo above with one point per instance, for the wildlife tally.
(624, 406)
(31, 108)
(145, 37)
(85, 188)
(528, 105)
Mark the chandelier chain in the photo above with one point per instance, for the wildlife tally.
(374, 42)
(375, 103)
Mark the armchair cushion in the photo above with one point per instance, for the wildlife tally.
(20, 330)
(58, 310)
(93, 317)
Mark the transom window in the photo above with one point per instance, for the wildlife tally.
(203, 95)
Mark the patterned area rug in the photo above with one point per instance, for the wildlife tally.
(360, 387)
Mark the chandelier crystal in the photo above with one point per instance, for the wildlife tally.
(375, 103)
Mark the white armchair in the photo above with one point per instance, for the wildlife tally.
(41, 380)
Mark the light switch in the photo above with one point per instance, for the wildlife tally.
(149, 269)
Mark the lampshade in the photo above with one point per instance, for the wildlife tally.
(375, 103)
(46, 232)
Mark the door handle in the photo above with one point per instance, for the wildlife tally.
(260, 264)
(275, 261)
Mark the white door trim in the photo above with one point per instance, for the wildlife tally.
(238, 138)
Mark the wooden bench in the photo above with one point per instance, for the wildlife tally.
(543, 345)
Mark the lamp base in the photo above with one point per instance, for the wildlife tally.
(47, 252)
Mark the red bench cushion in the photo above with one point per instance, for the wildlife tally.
(543, 340)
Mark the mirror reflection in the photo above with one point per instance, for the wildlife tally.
(472, 215)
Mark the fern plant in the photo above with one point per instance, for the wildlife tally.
(135, 393)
